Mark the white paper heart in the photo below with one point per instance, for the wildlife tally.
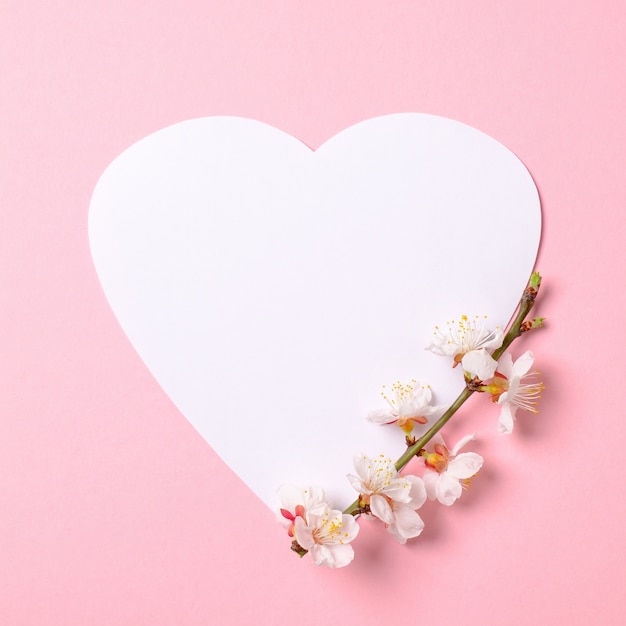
(272, 289)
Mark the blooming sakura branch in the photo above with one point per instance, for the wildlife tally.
(386, 493)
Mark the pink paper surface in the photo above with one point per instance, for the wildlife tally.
(114, 510)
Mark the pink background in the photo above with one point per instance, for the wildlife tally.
(113, 510)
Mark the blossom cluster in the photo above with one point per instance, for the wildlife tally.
(393, 497)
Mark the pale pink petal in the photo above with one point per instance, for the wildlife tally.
(497, 337)
(290, 497)
(431, 478)
(523, 364)
(381, 416)
(479, 363)
(465, 465)
(381, 509)
(356, 483)
(418, 491)
(332, 555)
(406, 524)
(350, 528)
(304, 534)
(511, 392)
(505, 365)
(317, 494)
(448, 489)
(315, 515)
(418, 402)
(441, 347)
(507, 417)
(363, 467)
(434, 411)
(393, 531)
(399, 489)
(313, 496)
(321, 555)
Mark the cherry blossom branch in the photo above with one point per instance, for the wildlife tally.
(517, 327)
(325, 533)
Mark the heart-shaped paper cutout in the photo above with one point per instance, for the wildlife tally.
(272, 289)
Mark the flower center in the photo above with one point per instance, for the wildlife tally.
(383, 471)
(330, 531)
(466, 335)
(404, 403)
(438, 459)
(497, 387)
(399, 394)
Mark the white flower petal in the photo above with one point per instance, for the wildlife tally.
(406, 524)
(325, 534)
(399, 489)
(505, 365)
(313, 496)
(381, 416)
(362, 465)
(465, 465)
(350, 528)
(290, 496)
(417, 401)
(441, 346)
(378, 475)
(523, 364)
(479, 363)
(332, 555)
(304, 534)
(431, 478)
(406, 400)
(380, 508)
(418, 491)
(357, 483)
(507, 396)
(492, 339)
(464, 336)
(507, 418)
(448, 489)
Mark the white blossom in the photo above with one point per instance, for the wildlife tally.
(295, 502)
(469, 342)
(391, 497)
(409, 404)
(513, 387)
(326, 533)
(447, 471)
